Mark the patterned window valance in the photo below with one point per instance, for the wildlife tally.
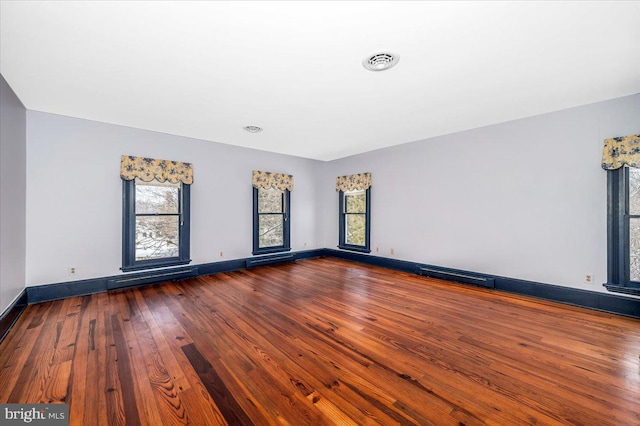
(148, 169)
(267, 180)
(358, 182)
(620, 151)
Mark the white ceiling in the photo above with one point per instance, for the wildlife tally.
(206, 69)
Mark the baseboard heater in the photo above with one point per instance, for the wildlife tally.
(151, 277)
(261, 261)
(461, 277)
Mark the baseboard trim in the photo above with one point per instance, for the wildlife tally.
(611, 303)
(55, 291)
(12, 313)
(385, 262)
(270, 260)
(149, 277)
(615, 304)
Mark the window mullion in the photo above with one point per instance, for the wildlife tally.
(625, 219)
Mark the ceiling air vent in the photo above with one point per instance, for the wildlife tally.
(380, 61)
(253, 129)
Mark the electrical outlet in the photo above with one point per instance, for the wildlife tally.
(221, 254)
(393, 251)
(72, 270)
(377, 249)
(305, 244)
(588, 278)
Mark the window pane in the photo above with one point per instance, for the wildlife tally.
(156, 237)
(634, 249)
(634, 190)
(269, 201)
(270, 232)
(156, 197)
(355, 229)
(356, 202)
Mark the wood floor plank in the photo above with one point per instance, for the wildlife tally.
(141, 377)
(28, 388)
(114, 393)
(97, 408)
(271, 342)
(21, 344)
(216, 387)
(78, 376)
(200, 408)
(320, 342)
(191, 316)
(169, 336)
(160, 397)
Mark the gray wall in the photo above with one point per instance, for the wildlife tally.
(13, 176)
(74, 195)
(525, 199)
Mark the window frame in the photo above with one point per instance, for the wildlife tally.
(342, 220)
(618, 227)
(129, 262)
(286, 225)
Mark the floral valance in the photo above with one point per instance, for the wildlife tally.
(268, 180)
(357, 182)
(620, 151)
(148, 169)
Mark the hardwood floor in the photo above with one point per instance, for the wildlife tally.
(323, 341)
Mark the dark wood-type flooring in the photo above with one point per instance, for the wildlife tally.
(323, 341)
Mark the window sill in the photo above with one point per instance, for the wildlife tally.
(154, 265)
(355, 248)
(616, 288)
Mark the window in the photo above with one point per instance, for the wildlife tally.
(623, 230)
(355, 220)
(271, 220)
(155, 230)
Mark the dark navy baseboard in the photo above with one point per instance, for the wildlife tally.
(611, 303)
(385, 262)
(573, 296)
(616, 304)
(150, 277)
(46, 292)
(12, 313)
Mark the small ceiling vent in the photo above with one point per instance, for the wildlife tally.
(253, 129)
(380, 61)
